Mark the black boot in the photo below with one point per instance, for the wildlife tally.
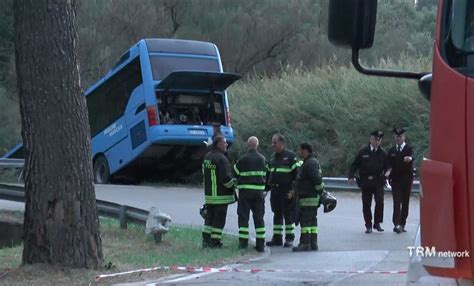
(378, 227)
(302, 247)
(243, 243)
(289, 238)
(314, 241)
(277, 240)
(216, 243)
(368, 228)
(260, 245)
(206, 240)
(304, 243)
(288, 243)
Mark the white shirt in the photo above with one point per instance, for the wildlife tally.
(401, 146)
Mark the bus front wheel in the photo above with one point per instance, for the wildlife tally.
(101, 170)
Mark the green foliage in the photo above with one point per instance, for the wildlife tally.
(402, 29)
(334, 109)
(7, 38)
(256, 37)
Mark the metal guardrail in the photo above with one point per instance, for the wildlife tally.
(17, 164)
(11, 163)
(123, 213)
(331, 183)
(341, 184)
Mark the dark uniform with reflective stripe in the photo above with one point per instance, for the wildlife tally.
(219, 193)
(251, 172)
(309, 187)
(401, 180)
(283, 170)
(372, 167)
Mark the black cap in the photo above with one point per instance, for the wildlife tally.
(377, 133)
(398, 131)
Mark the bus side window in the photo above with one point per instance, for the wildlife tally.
(107, 103)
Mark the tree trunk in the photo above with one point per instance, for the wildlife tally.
(61, 224)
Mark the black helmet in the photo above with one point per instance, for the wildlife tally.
(328, 201)
(203, 211)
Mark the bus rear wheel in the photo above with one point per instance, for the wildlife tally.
(101, 171)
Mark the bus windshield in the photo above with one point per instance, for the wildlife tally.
(162, 66)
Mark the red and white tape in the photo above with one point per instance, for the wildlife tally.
(254, 270)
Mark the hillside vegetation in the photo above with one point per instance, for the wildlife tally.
(294, 81)
(334, 109)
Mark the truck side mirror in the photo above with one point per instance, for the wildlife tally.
(352, 23)
(424, 85)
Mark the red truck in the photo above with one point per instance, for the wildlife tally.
(447, 175)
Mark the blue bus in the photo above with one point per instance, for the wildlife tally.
(150, 114)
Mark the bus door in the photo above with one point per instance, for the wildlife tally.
(136, 116)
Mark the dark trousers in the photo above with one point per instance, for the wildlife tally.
(283, 209)
(377, 193)
(214, 223)
(309, 223)
(251, 200)
(401, 190)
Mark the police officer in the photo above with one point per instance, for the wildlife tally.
(251, 172)
(283, 169)
(373, 166)
(401, 178)
(309, 187)
(218, 190)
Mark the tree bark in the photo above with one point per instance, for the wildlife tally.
(61, 223)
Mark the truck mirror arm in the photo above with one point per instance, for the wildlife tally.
(381, 72)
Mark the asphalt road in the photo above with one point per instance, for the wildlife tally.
(343, 245)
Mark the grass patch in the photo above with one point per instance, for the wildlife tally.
(181, 246)
(126, 250)
(10, 257)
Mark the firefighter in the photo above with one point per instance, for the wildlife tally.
(250, 172)
(373, 166)
(283, 169)
(309, 188)
(218, 191)
(400, 157)
(216, 130)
